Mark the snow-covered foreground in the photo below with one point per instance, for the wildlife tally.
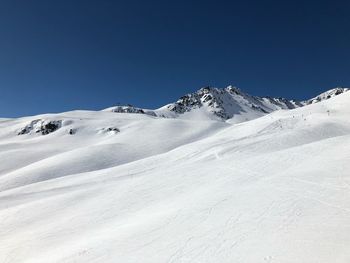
(274, 189)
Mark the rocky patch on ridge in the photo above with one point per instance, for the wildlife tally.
(130, 109)
(40, 126)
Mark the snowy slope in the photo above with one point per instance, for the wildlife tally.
(136, 188)
(95, 145)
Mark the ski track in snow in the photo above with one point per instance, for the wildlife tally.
(273, 189)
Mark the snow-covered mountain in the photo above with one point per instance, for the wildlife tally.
(216, 104)
(227, 103)
(327, 95)
(223, 104)
(115, 186)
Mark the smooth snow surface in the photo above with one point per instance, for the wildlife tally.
(136, 188)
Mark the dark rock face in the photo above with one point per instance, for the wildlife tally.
(28, 128)
(131, 109)
(113, 129)
(49, 127)
(25, 130)
(128, 109)
(186, 103)
(41, 126)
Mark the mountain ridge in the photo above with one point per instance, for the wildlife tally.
(224, 104)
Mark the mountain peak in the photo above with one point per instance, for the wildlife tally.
(226, 103)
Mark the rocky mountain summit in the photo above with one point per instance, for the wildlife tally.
(227, 102)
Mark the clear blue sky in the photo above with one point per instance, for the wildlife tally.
(68, 54)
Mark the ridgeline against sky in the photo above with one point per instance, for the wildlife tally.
(62, 55)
